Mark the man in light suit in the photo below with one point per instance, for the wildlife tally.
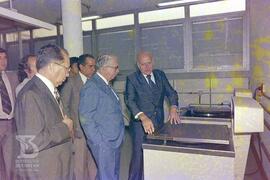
(84, 165)
(101, 118)
(144, 97)
(8, 83)
(44, 131)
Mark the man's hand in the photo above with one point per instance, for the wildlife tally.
(147, 124)
(173, 116)
(69, 124)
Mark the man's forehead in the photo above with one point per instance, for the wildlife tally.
(113, 60)
(145, 58)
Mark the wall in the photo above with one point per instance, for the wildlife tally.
(260, 68)
(188, 86)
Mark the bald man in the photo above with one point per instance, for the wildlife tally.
(144, 97)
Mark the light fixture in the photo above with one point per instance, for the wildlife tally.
(90, 18)
(1, 1)
(183, 2)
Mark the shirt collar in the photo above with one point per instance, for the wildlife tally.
(152, 75)
(47, 82)
(103, 78)
(83, 77)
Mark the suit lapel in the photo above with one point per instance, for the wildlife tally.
(78, 82)
(143, 83)
(46, 93)
(105, 87)
(158, 80)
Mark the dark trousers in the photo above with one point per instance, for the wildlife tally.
(136, 165)
(107, 161)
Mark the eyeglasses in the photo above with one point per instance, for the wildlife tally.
(67, 68)
(114, 67)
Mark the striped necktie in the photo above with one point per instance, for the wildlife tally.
(6, 103)
(59, 102)
(150, 82)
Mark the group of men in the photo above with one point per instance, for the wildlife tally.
(77, 133)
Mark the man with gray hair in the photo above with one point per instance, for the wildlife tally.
(44, 131)
(101, 118)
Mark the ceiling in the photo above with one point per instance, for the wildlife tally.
(50, 10)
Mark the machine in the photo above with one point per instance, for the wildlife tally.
(212, 142)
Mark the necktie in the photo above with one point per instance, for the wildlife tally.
(150, 82)
(6, 103)
(113, 92)
(58, 99)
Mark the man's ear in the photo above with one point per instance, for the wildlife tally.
(50, 68)
(81, 66)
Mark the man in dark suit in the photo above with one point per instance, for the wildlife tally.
(44, 131)
(101, 118)
(144, 97)
(8, 83)
(84, 165)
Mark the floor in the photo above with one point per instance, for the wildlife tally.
(252, 171)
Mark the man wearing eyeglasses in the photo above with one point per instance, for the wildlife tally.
(44, 131)
(84, 165)
(144, 96)
(101, 118)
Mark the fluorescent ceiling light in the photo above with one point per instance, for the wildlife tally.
(90, 18)
(3, 1)
(181, 2)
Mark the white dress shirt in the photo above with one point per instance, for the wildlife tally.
(152, 77)
(47, 82)
(83, 77)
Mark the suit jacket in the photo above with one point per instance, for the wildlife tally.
(37, 114)
(70, 94)
(139, 97)
(100, 113)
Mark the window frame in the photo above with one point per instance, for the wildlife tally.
(245, 65)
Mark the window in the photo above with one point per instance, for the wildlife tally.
(167, 45)
(12, 37)
(87, 44)
(39, 33)
(217, 7)
(41, 43)
(116, 21)
(121, 44)
(87, 25)
(161, 15)
(218, 44)
(14, 54)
